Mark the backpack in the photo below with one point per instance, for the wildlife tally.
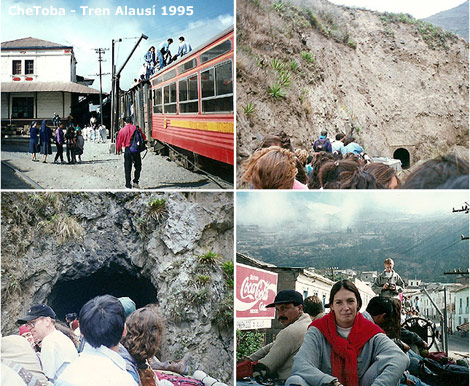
(137, 142)
(321, 145)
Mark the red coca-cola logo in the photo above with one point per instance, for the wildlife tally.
(253, 288)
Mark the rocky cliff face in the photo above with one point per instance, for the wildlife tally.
(175, 249)
(392, 81)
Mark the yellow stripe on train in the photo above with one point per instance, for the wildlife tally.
(221, 127)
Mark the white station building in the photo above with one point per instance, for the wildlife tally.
(38, 79)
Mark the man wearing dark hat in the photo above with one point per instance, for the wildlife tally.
(276, 359)
(57, 350)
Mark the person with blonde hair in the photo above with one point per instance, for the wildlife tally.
(388, 283)
(272, 168)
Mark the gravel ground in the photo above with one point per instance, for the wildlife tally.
(99, 170)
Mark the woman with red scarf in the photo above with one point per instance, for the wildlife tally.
(344, 348)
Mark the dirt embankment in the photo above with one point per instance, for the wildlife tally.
(390, 80)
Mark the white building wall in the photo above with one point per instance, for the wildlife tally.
(48, 104)
(365, 291)
(309, 287)
(461, 308)
(49, 65)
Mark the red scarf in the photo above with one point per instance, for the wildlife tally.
(344, 352)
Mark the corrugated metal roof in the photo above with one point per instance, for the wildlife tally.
(31, 43)
(48, 86)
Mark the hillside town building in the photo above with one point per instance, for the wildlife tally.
(39, 79)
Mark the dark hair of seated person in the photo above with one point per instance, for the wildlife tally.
(334, 172)
(102, 321)
(358, 179)
(318, 161)
(313, 305)
(442, 172)
(379, 305)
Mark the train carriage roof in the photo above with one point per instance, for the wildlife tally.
(194, 51)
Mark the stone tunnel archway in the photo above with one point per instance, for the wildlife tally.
(69, 295)
(404, 156)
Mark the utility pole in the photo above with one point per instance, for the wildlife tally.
(116, 77)
(101, 51)
(114, 99)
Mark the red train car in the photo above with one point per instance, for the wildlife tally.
(193, 101)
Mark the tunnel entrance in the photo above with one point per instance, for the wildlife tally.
(70, 295)
(404, 156)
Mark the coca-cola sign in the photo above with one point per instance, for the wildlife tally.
(255, 288)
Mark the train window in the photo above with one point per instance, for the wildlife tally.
(207, 83)
(216, 51)
(157, 81)
(169, 75)
(157, 101)
(169, 98)
(188, 95)
(187, 66)
(217, 88)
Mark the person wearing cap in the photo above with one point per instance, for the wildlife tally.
(103, 325)
(57, 350)
(322, 143)
(276, 359)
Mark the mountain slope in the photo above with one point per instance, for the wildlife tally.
(392, 81)
(454, 20)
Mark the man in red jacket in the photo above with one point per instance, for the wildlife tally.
(123, 141)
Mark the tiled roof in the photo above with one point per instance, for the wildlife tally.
(31, 43)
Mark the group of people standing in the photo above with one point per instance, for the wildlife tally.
(40, 140)
(163, 56)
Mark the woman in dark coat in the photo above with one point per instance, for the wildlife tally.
(45, 135)
(33, 140)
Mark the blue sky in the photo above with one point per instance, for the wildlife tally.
(420, 9)
(88, 32)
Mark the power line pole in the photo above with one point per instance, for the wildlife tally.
(101, 51)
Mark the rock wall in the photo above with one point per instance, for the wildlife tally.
(181, 242)
(385, 78)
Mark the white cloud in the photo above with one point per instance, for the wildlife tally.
(86, 33)
(342, 208)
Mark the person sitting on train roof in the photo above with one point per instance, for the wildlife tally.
(275, 360)
(163, 49)
(184, 47)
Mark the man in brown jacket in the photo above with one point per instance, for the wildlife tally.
(275, 360)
